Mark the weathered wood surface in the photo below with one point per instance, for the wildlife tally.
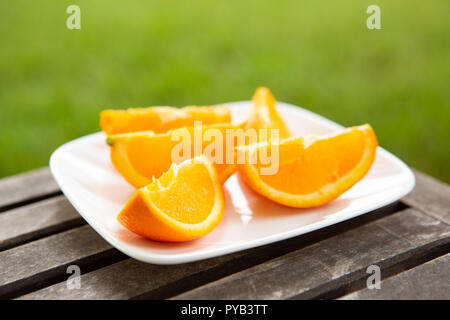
(47, 259)
(34, 221)
(428, 281)
(26, 187)
(136, 278)
(140, 280)
(430, 196)
(332, 265)
(41, 235)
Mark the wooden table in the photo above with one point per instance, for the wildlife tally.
(41, 235)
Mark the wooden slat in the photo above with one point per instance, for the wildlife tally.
(430, 196)
(428, 281)
(338, 264)
(33, 221)
(145, 281)
(45, 261)
(27, 187)
(126, 279)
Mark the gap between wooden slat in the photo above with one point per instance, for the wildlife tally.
(59, 274)
(36, 221)
(21, 203)
(424, 254)
(426, 281)
(26, 188)
(43, 233)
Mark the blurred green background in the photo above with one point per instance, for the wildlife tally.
(316, 54)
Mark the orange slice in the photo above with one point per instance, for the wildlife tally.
(143, 155)
(160, 119)
(264, 114)
(312, 170)
(185, 203)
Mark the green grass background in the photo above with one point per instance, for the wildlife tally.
(316, 54)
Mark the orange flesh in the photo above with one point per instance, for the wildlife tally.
(141, 156)
(185, 200)
(305, 170)
(313, 170)
(264, 114)
(160, 119)
(186, 203)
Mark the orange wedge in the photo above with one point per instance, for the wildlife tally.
(185, 203)
(312, 170)
(143, 155)
(160, 119)
(264, 114)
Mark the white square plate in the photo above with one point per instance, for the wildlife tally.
(84, 172)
